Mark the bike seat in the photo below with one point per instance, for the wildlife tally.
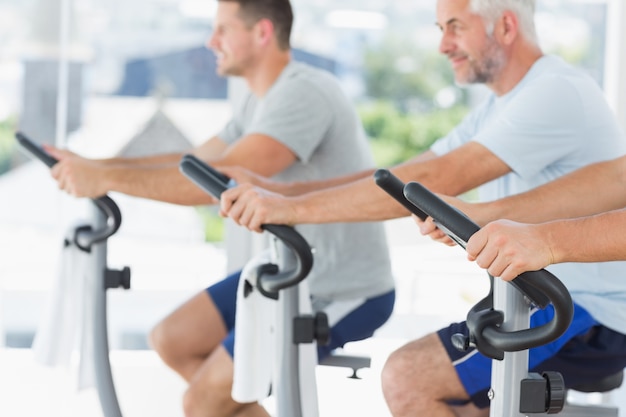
(609, 383)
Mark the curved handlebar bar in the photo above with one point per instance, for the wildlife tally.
(215, 183)
(541, 287)
(106, 205)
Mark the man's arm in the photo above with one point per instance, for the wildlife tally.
(159, 178)
(506, 248)
(589, 190)
(290, 189)
(362, 200)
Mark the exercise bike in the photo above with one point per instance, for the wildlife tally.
(297, 329)
(90, 242)
(499, 324)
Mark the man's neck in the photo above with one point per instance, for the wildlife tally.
(267, 72)
(516, 69)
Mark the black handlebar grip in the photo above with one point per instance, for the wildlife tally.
(35, 150)
(395, 188)
(463, 228)
(215, 183)
(204, 176)
(448, 216)
(106, 205)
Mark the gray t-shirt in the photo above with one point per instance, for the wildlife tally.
(307, 111)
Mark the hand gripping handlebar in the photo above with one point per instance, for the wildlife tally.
(85, 238)
(539, 287)
(270, 282)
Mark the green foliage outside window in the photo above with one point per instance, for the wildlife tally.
(407, 111)
(397, 137)
(7, 144)
(408, 77)
(213, 224)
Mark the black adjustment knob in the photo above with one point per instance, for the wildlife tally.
(125, 278)
(322, 329)
(460, 342)
(557, 393)
(115, 278)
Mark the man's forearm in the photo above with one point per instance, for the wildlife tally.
(303, 187)
(153, 160)
(363, 200)
(354, 202)
(597, 238)
(594, 189)
(162, 183)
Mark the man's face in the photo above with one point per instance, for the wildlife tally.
(476, 57)
(232, 40)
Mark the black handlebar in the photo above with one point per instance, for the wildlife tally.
(540, 287)
(270, 282)
(462, 229)
(86, 237)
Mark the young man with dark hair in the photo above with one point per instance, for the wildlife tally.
(296, 124)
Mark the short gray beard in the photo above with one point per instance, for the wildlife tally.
(485, 71)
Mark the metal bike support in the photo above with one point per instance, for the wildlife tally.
(281, 282)
(102, 279)
(91, 238)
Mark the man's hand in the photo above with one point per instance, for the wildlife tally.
(251, 207)
(507, 249)
(245, 176)
(78, 176)
(429, 228)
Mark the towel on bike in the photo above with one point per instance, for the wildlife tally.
(255, 341)
(259, 352)
(68, 314)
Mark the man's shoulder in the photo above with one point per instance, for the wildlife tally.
(305, 80)
(552, 66)
(302, 72)
(553, 77)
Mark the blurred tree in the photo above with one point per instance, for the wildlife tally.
(413, 99)
(410, 77)
(396, 136)
(7, 144)
(213, 223)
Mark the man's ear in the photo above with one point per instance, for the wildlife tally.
(264, 31)
(507, 28)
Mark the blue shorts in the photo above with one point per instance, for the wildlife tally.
(358, 324)
(586, 353)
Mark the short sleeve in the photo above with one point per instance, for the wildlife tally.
(537, 128)
(296, 114)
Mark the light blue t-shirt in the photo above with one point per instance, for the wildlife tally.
(553, 122)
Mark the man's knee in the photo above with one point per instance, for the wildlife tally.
(419, 376)
(157, 338)
(209, 395)
(193, 404)
(400, 379)
(393, 373)
(406, 364)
